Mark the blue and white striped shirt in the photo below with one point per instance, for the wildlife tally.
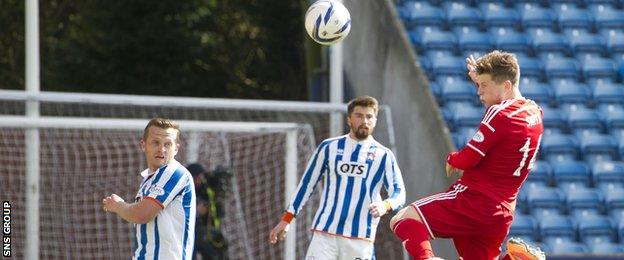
(353, 173)
(171, 234)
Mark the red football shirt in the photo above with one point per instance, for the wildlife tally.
(498, 158)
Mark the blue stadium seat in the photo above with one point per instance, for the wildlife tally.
(560, 5)
(449, 66)
(474, 54)
(465, 29)
(598, 148)
(537, 91)
(496, 14)
(535, 16)
(530, 66)
(611, 93)
(605, 3)
(571, 173)
(614, 203)
(582, 43)
(606, 249)
(567, 90)
(561, 67)
(447, 114)
(599, 68)
(606, 108)
(421, 14)
(621, 145)
(568, 248)
(459, 14)
(524, 227)
(621, 69)
(557, 3)
(521, 200)
(474, 41)
(468, 118)
(509, 40)
(607, 17)
(572, 17)
(541, 173)
(614, 42)
(466, 133)
(582, 202)
(621, 230)
(559, 147)
(546, 41)
(458, 105)
(436, 91)
(596, 229)
(544, 201)
(583, 120)
(458, 140)
(457, 91)
(433, 39)
(556, 228)
(553, 121)
(437, 53)
(614, 122)
(608, 175)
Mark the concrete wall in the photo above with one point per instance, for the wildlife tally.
(379, 61)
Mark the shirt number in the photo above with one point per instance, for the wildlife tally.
(525, 154)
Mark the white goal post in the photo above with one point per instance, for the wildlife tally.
(101, 107)
(76, 126)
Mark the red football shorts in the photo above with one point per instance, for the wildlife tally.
(477, 224)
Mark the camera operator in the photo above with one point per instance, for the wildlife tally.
(210, 243)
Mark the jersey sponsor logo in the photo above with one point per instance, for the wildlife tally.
(478, 137)
(353, 169)
(156, 190)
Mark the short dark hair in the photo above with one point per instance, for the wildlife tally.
(363, 101)
(500, 65)
(163, 123)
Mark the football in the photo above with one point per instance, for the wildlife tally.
(327, 22)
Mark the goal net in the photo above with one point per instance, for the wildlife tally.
(83, 160)
(317, 115)
(64, 154)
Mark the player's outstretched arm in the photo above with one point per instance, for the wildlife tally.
(278, 233)
(137, 213)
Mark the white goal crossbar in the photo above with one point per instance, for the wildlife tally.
(23, 122)
(191, 102)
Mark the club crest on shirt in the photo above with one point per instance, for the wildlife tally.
(156, 190)
(478, 137)
(370, 156)
(353, 169)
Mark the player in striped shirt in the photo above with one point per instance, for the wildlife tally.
(354, 167)
(477, 210)
(163, 212)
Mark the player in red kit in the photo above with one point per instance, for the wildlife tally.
(477, 210)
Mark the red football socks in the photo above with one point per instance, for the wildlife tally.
(415, 238)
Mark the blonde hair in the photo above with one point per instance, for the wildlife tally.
(501, 66)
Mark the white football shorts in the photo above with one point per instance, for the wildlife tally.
(329, 247)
